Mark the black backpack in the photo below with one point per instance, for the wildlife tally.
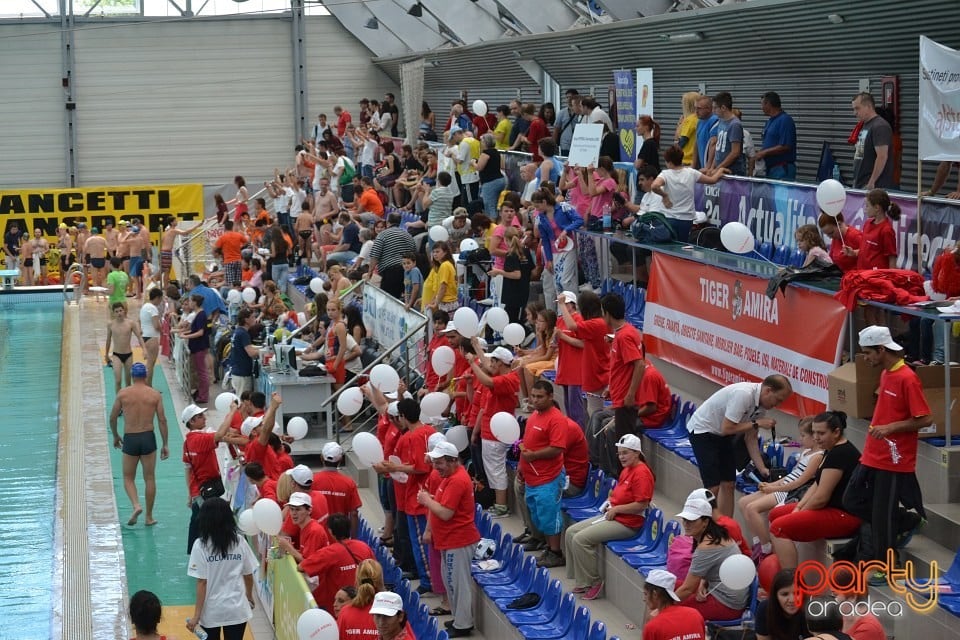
(707, 237)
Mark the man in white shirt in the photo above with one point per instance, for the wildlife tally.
(735, 410)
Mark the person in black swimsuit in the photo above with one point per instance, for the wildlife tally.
(120, 333)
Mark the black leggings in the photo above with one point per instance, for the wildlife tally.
(232, 632)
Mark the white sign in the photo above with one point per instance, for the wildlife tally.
(939, 131)
(645, 92)
(385, 318)
(585, 146)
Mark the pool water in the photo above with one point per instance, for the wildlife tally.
(30, 340)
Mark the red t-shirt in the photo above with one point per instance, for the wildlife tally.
(867, 627)
(387, 434)
(313, 538)
(455, 493)
(653, 388)
(576, 455)
(596, 353)
(736, 534)
(900, 398)
(265, 455)
(340, 491)
(569, 357)
(200, 452)
(635, 484)
(877, 244)
(538, 129)
(412, 450)
(284, 462)
(439, 340)
(624, 352)
(356, 623)
(853, 239)
(461, 371)
(675, 622)
(503, 397)
(319, 513)
(480, 394)
(544, 429)
(231, 243)
(336, 566)
(342, 121)
(269, 490)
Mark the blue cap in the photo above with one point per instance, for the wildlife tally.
(138, 370)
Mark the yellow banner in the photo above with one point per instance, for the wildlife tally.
(46, 209)
(291, 597)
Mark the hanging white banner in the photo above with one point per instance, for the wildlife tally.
(939, 135)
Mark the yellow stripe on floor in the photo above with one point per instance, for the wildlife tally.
(174, 623)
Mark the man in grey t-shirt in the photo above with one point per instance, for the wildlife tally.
(872, 157)
(729, 135)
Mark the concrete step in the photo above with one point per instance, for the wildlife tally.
(943, 525)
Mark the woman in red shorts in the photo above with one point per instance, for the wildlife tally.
(819, 514)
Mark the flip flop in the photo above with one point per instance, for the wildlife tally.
(440, 611)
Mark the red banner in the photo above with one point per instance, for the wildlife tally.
(722, 325)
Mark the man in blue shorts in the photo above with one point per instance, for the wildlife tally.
(138, 404)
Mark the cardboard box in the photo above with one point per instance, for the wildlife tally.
(938, 398)
(853, 388)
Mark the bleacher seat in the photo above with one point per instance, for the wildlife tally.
(551, 600)
(593, 511)
(765, 249)
(797, 258)
(521, 566)
(570, 622)
(646, 539)
(504, 547)
(589, 493)
(657, 556)
(535, 581)
(598, 631)
(781, 255)
(736, 622)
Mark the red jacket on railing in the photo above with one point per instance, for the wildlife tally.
(891, 286)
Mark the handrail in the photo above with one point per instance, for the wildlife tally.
(309, 322)
(78, 291)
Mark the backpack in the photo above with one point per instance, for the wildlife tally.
(707, 236)
(349, 170)
(653, 228)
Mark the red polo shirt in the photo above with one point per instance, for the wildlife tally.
(544, 429)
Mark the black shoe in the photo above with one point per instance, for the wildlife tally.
(448, 624)
(911, 523)
(422, 590)
(523, 537)
(454, 632)
(535, 545)
(410, 575)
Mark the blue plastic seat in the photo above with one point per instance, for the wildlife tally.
(781, 255)
(590, 493)
(501, 554)
(509, 569)
(792, 461)
(948, 584)
(646, 539)
(598, 631)
(571, 622)
(423, 624)
(657, 556)
(797, 258)
(765, 249)
(550, 602)
(593, 511)
(752, 606)
(534, 581)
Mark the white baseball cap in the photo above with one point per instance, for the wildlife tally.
(434, 440)
(393, 409)
(332, 452)
(444, 450)
(502, 354)
(695, 508)
(302, 475)
(701, 494)
(249, 424)
(386, 603)
(300, 499)
(630, 441)
(450, 327)
(568, 297)
(875, 336)
(190, 412)
(665, 580)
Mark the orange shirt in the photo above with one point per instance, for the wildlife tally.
(231, 243)
(370, 202)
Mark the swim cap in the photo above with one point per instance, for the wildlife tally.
(138, 370)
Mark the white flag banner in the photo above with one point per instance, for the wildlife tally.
(939, 137)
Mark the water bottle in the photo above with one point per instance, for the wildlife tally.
(199, 632)
(836, 172)
(607, 219)
(747, 622)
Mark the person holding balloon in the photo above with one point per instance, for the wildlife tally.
(841, 235)
(312, 535)
(704, 589)
(435, 379)
(223, 564)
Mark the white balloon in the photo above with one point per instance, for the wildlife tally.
(267, 516)
(297, 427)
(247, 523)
(480, 107)
(458, 437)
(317, 624)
(442, 360)
(385, 378)
(278, 428)
(316, 285)
(831, 196)
(466, 321)
(434, 404)
(505, 427)
(737, 572)
(737, 238)
(249, 295)
(497, 318)
(399, 476)
(368, 449)
(513, 334)
(468, 244)
(350, 401)
(234, 297)
(439, 234)
(434, 440)
(222, 403)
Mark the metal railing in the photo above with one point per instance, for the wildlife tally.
(67, 286)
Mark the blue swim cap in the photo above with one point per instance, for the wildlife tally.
(138, 370)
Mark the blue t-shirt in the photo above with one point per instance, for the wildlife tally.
(780, 129)
(195, 345)
(411, 278)
(704, 133)
(351, 237)
(211, 299)
(241, 364)
(11, 240)
(729, 132)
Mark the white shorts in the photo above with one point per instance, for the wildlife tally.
(495, 463)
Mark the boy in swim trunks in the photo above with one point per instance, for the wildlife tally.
(120, 333)
(38, 250)
(166, 249)
(96, 248)
(138, 404)
(304, 228)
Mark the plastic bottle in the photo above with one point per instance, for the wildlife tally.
(747, 622)
(199, 632)
(607, 219)
(836, 173)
